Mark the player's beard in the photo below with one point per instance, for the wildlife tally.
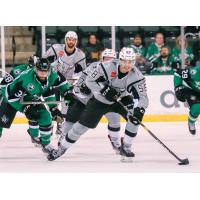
(164, 55)
(71, 46)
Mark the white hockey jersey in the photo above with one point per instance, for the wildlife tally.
(65, 63)
(107, 73)
(84, 98)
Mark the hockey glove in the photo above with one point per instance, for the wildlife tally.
(137, 116)
(127, 101)
(78, 68)
(69, 97)
(31, 112)
(56, 114)
(109, 93)
(84, 89)
(180, 93)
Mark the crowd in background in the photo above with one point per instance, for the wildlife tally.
(154, 57)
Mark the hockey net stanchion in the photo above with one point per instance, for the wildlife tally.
(181, 161)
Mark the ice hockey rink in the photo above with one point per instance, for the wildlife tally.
(93, 152)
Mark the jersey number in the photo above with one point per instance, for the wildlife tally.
(185, 74)
(142, 87)
(8, 78)
(94, 73)
(18, 94)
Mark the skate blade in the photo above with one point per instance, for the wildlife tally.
(125, 159)
(37, 145)
(116, 151)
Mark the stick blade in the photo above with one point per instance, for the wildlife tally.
(184, 162)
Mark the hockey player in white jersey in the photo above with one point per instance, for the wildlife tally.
(83, 94)
(68, 60)
(110, 82)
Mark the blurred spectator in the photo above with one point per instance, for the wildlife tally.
(176, 53)
(153, 51)
(93, 49)
(162, 65)
(137, 46)
(140, 50)
(196, 51)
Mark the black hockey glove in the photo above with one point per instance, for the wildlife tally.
(56, 115)
(69, 97)
(137, 116)
(31, 111)
(176, 66)
(109, 93)
(127, 101)
(84, 89)
(180, 93)
(78, 68)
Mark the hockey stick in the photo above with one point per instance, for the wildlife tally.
(40, 102)
(14, 50)
(72, 79)
(182, 161)
(71, 67)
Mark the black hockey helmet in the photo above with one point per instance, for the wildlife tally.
(31, 61)
(42, 64)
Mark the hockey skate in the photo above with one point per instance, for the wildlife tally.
(115, 144)
(59, 129)
(192, 128)
(56, 153)
(62, 137)
(47, 149)
(126, 153)
(36, 141)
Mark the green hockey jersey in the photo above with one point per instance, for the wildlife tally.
(176, 54)
(153, 52)
(29, 88)
(141, 50)
(15, 72)
(189, 78)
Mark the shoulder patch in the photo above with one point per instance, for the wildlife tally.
(61, 53)
(193, 71)
(17, 71)
(113, 74)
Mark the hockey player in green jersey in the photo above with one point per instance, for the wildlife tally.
(187, 88)
(31, 85)
(16, 71)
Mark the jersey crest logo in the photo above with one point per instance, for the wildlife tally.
(197, 84)
(61, 53)
(193, 71)
(113, 74)
(18, 71)
(4, 119)
(30, 87)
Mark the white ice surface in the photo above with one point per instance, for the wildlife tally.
(93, 152)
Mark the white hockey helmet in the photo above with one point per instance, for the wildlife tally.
(127, 54)
(71, 34)
(109, 53)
